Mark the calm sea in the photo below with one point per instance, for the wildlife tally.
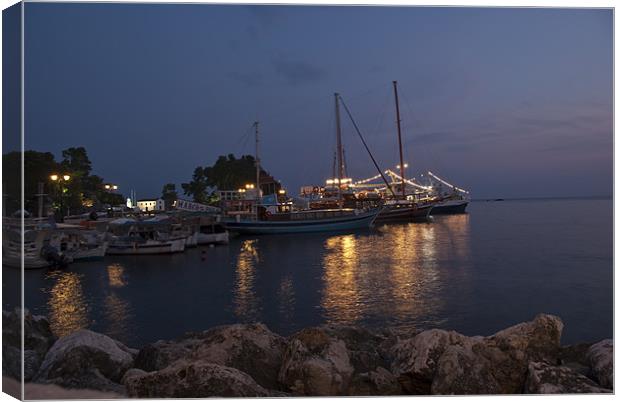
(498, 265)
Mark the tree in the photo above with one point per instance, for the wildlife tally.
(169, 195)
(38, 166)
(197, 188)
(76, 161)
(82, 188)
(229, 173)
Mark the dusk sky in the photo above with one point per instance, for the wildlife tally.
(503, 102)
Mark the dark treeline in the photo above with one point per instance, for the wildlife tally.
(82, 192)
(227, 173)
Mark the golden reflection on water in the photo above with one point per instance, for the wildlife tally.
(245, 300)
(68, 308)
(396, 273)
(116, 310)
(117, 314)
(341, 285)
(116, 276)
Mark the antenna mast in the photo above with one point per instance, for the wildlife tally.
(339, 147)
(400, 143)
(257, 161)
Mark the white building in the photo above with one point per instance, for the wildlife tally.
(151, 205)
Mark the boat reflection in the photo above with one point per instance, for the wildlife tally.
(246, 303)
(67, 305)
(395, 273)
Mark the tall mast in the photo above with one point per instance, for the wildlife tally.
(338, 146)
(257, 161)
(400, 143)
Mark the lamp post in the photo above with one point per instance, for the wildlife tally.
(60, 180)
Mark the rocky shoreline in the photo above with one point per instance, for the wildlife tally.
(248, 360)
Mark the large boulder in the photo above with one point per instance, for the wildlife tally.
(159, 355)
(543, 378)
(446, 362)
(498, 364)
(539, 339)
(251, 348)
(575, 357)
(85, 359)
(374, 383)
(38, 338)
(316, 363)
(194, 379)
(477, 367)
(415, 359)
(601, 359)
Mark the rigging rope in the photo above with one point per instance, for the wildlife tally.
(446, 183)
(366, 146)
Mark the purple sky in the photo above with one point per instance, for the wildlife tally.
(504, 102)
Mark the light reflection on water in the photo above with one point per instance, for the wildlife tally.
(401, 282)
(68, 309)
(475, 273)
(117, 311)
(245, 299)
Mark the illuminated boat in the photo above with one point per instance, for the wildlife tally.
(449, 199)
(404, 211)
(450, 205)
(307, 221)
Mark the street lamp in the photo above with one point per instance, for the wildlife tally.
(60, 180)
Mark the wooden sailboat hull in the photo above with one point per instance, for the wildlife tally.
(352, 222)
(393, 214)
(450, 207)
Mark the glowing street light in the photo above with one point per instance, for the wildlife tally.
(62, 190)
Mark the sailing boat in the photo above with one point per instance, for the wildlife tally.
(282, 218)
(454, 200)
(399, 208)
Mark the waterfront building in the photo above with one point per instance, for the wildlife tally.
(151, 205)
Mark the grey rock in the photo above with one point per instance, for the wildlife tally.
(132, 372)
(85, 359)
(316, 363)
(601, 359)
(543, 378)
(539, 339)
(251, 348)
(415, 359)
(376, 382)
(498, 364)
(159, 355)
(38, 338)
(194, 379)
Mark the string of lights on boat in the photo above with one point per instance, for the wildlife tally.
(396, 178)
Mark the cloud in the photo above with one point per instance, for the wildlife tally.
(298, 72)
